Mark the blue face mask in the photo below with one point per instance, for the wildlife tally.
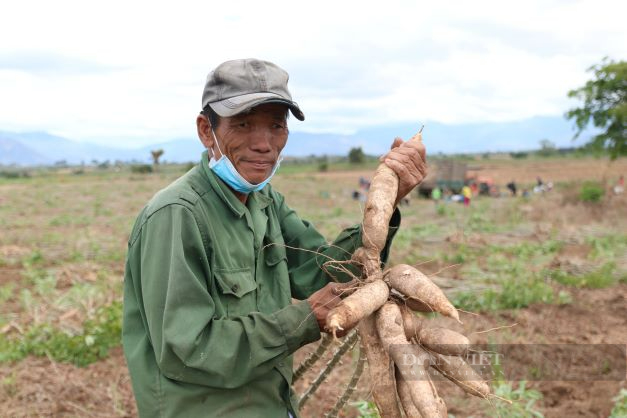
(225, 169)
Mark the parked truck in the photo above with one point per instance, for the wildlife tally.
(446, 174)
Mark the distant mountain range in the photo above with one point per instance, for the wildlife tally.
(42, 148)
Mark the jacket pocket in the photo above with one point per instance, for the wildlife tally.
(238, 290)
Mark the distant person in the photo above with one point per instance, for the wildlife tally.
(216, 258)
(620, 185)
(512, 187)
(467, 195)
(436, 194)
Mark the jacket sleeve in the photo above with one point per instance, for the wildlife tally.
(190, 345)
(308, 251)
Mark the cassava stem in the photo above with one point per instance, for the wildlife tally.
(313, 357)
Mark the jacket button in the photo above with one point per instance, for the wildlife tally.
(235, 288)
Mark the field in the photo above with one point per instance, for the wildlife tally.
(547, 269)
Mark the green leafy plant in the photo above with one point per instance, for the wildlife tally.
(513, 294)
(597, 279)
(366, 409)
(604, 100)
(522, 401)
(93, 342)
(591, 192)
(620, 406)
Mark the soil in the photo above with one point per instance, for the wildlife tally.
(39, 387)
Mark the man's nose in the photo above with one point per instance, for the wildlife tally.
(261, 140)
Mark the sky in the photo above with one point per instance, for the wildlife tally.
(129, 73)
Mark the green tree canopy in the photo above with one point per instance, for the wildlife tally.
(605, 104)
(356, 156)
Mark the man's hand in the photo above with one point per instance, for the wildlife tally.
(326, 299)
(408, 161)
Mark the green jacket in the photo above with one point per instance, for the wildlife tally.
(209, 324)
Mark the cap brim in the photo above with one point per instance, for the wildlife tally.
(236, 105)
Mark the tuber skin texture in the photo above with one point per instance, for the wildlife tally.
(444, 341)
(456, 370)
(357, 306)
(379, 208)
(379, 367)
(404, 394)
(412, 283)
(392, 334)
(411, 323)
(417, 306)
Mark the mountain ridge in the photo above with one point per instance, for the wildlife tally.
(42, 148)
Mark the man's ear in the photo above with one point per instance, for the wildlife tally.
(204, 131)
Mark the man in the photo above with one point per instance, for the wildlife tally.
(215, 259)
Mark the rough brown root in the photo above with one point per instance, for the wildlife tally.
(418, 306)
(379, 208)
(413, 284)
(370, 263)
(461, 373)
(444, 341)
(411, 323)
(357, 306)
(404, 394)
(442, 407)
(390, 328)
(380, 370)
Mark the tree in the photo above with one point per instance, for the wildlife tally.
(356, 156)
(547, 148)
(605, 104)
(156, 154)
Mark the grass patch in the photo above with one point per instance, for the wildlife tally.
(597, 279)
(513, 294)
(98, 336)
(620, 406)
(6, 292)
(522, 398)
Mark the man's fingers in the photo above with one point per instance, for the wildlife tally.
(401, 170)
(344, 289)
(397, 142)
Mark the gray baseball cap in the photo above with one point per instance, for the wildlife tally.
(238, 85)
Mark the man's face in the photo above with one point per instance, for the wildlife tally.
(253, 140)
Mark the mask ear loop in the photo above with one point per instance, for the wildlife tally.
(215, 138)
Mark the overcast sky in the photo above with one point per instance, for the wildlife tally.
(128, 72)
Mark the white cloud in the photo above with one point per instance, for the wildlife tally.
(351, 63)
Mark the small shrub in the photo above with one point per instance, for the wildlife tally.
(591, 192)
(141, 168)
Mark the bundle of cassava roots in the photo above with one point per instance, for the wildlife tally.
(401, 351)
